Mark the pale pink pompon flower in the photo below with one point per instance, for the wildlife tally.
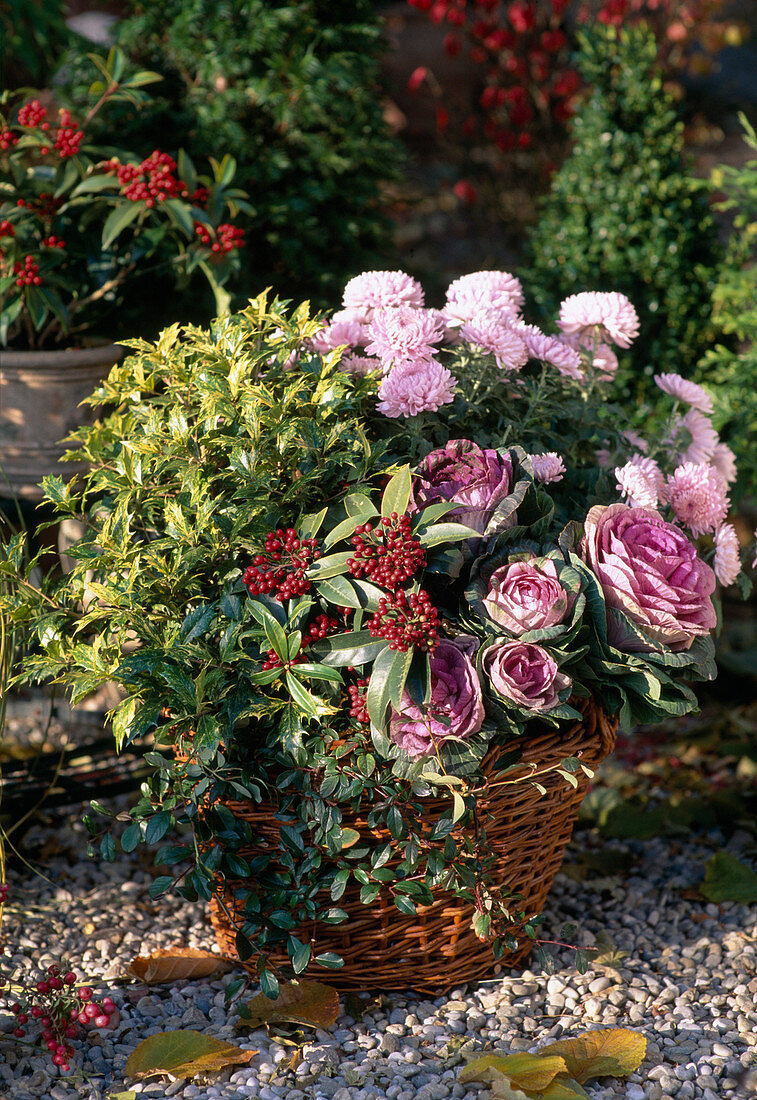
(547, 467)
(412, 388)
(488, 332)
(402, 334)
(359, 364)
(640, 481)
(549, 349)
(727, 564)
(684, 390)
(608, 311)
(338, 334)
(724, 461)
(374, 289)
(496, 292)
(698, 496)
(702, 437)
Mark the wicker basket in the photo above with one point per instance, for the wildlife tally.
(436, 949)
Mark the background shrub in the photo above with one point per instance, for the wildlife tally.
(623, 212)
(290, 90)
(732, 367)
(33, 34)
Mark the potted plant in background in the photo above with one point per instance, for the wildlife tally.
(383, 662)
(78, 225)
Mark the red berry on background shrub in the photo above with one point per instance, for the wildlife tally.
(416, 78)
(465, 191)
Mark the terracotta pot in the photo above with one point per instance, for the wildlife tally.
(40, 393)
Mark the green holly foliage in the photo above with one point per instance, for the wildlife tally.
(623, 213)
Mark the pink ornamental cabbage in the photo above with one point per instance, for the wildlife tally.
(526, 595)
(525, 674)
(649, 569)
(475, 479)
(456, 708)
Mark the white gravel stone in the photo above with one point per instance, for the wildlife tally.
(689, 986)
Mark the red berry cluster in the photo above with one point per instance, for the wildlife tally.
(8, 139)
(53, 242)
(32, 114)
(227, 237)
(203, 232)
(280, 569)
(387, 553)
(199, 196)
(405, 620)
(57, 1008)
(6, 229)
(153, 180)
(3, 896)
(358, 704)
(321, 627)
(27, 272)
(69, 137)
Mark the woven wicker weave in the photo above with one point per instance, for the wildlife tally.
(437, 949)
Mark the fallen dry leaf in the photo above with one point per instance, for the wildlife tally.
(311, 1003)
(609, 1052)
(184, 1054)
(176, 964)
(530, 1072)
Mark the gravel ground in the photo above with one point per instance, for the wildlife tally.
(683, 973)
(688, 982)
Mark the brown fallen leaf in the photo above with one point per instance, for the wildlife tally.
(184, 1054)
(176, 964)
(528, 1072)
(609, 1052)
(311, 1003)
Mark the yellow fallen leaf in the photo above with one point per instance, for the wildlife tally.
(564, 1088)
(184, 1054)
(531, 1072)
(610, 1052)
(176, 964)
(311, 1003)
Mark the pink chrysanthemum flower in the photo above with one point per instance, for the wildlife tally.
(483, 292)
(401, 334)
(547, 467)
(605, 362)
(640, 481)
(684, 390)
(338, 334)
(724, 461)
(702, 437)
(608, 311)
(551, 349)
(412, 388)
(698, 496)
(487, 331)
(359, 364)
(636, 440)
(374, 289)
(603, 457)
(726, 564)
